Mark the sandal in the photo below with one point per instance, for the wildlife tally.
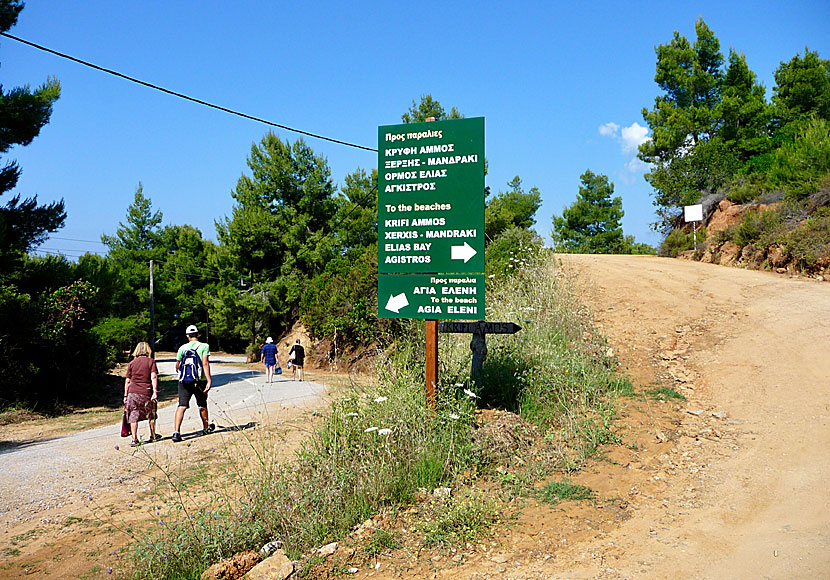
(156, 437)
(209, 429)
(135, 443)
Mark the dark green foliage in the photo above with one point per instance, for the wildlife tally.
(678, 241)
(714, 131)
(745, 188)
(710, 124)
(428, 107)
(631, 246)
(802, 90)
(357, 210)
(809, 243)
(48, 351)
(511, 251)
(23, 113)
(513, 207)
(341, 303)
(283, 211)
(757, 227)
(592, 224)
(800, 167)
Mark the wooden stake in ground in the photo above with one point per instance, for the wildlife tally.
(431, 361)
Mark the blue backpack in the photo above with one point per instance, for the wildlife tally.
(190, 367)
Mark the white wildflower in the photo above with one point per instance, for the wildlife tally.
(453, 416)
(384, 431)
(381, 399)
(370, 429)
(352, 414)
(470, 394)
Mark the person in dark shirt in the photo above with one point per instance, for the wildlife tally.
(270, 358)
(297, 357)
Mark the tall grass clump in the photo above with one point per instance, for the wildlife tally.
(557, 372)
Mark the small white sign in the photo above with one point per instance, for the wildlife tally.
(693, 213)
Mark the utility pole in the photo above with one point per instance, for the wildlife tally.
(152, 315)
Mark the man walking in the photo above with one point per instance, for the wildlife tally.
(296, 356)
(193, 363)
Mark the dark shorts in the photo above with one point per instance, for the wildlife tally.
(197, 389)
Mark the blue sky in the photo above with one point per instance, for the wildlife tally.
(561, 86)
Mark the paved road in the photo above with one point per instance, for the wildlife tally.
(45, 474)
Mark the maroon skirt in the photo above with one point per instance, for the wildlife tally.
(140, 408)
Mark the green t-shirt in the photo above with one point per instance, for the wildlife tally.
(202, 349)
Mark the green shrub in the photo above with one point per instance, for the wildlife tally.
(801, 166)
(746, 188)
(461, 520)
(122, 334)
(757, 227)
(810, 241)
(341, 303)
(631, 246)
(679, 241)
(48, 354)
(511, 251)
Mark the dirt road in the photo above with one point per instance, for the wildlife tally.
(742, 493)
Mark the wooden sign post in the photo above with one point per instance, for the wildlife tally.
(431, 368)
(478, 344)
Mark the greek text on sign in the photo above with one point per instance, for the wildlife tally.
(426, 296)
(431, 197)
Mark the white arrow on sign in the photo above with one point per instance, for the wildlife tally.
(395, 303)
(464, 252)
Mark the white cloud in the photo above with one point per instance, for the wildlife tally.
(636, 166)
(632, 137)
(609, 129)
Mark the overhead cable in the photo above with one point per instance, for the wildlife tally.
(183, 96)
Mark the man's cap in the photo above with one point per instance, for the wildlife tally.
(192, 329)
(269, 340)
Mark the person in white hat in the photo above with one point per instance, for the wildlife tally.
(270, 358)
(193, 367)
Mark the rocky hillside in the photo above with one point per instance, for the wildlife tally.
(767, 236)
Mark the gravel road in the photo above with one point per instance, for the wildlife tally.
(63, 471)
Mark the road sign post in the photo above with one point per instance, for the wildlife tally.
(478, 344)
(694, 214)
(431, 226)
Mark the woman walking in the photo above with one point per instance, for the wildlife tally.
(270, 358)
(141, 392)
(296, 356)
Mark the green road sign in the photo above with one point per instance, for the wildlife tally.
(431, 296)
(431, 197)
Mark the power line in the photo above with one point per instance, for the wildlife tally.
(76, 240)
(183, 96)
(67, 252)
